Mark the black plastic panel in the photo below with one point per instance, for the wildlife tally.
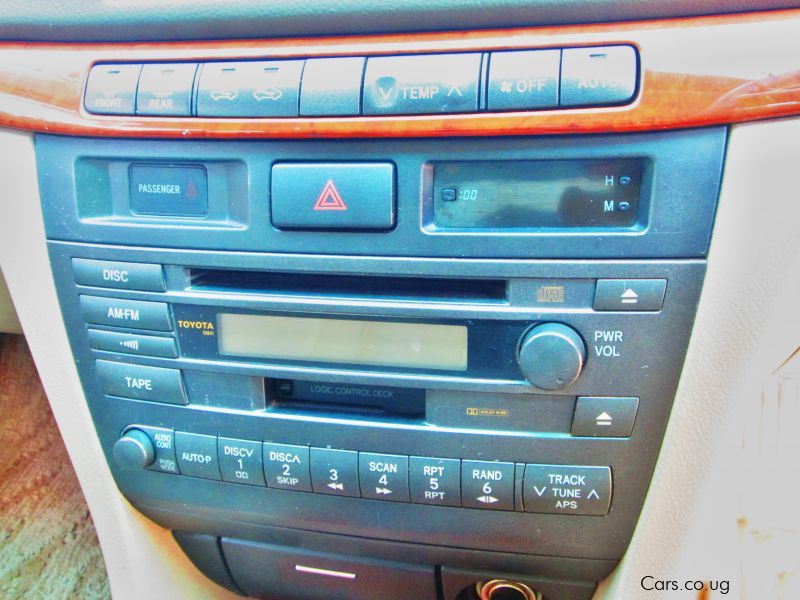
(85, 183)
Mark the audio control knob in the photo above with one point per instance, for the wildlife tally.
(134, 450)
(551, 356)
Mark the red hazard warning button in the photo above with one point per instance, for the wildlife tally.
(346, 196)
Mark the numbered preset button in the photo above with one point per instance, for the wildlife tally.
(487, 484)
(240, 461)
(334, 472)
(435, 480)
(383, 476)
(286, 467)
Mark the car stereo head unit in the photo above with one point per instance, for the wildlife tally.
(433, 361)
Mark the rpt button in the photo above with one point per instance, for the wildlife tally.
(435, 480)
(140, 382)
(567, 489)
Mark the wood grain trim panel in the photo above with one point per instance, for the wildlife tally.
(695, 72)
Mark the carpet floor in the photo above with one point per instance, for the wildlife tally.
(48, 545)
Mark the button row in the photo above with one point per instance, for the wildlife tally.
(350, 86)
(562, 489)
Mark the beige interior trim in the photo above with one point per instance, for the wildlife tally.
(142, 559)
(747, 327)
(8, 317)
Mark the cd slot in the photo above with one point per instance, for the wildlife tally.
(363, 287)
(347, 398)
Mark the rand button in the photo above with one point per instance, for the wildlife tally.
(286, 467)
(487, 484)
(141, 383)
(120, 275)
(117, 312)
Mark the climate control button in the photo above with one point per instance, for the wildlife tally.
(551, 356)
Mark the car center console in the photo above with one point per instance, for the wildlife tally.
(393, 368)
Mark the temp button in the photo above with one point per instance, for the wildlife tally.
(436, 83)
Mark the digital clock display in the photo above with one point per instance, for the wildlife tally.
(543, 194)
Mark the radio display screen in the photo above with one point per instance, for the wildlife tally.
(373, 343)
(537, 194)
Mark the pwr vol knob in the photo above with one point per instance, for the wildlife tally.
(551, 356)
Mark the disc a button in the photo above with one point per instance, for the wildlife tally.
(286, 467)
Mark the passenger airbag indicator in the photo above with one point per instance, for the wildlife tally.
(172, 190)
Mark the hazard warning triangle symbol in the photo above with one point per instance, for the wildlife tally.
(330, 199)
